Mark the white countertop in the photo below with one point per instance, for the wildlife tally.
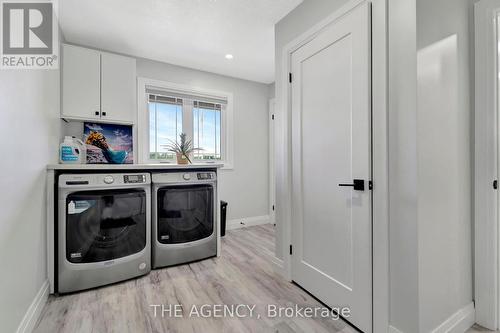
(160, 166)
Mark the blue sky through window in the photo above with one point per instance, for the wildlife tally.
(165, 123)
(206, 133)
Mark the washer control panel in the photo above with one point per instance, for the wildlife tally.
(134, 179)
(109, 179)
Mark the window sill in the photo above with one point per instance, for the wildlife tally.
(219, 165)
(227, 166)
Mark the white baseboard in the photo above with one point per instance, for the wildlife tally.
(30, 319)
(247, 222)
(459, 322)
(393, 329)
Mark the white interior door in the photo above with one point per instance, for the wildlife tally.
(331, 145)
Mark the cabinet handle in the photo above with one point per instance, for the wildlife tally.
(104, 113)
(97, 113)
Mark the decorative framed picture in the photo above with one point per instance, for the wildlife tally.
(108, 143)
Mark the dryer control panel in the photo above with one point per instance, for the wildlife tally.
(192, 177)
(205, 175)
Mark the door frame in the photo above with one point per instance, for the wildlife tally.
(486, 201)
(380, 171)
(272, 162)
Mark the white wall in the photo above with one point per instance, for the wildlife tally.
(29, 127)
(272, 90)
(445, 158)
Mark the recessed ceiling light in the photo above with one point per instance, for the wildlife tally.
(229, 56)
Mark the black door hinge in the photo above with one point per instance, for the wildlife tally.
(291, 249)
(370, 185)
(495, 184)
(272, 117)
(290, 77)
(273, 208)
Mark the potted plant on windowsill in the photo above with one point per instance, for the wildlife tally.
(182, 149)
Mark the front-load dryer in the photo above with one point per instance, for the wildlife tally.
(104, 229)
(184, 217)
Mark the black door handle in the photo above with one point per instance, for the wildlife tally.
(358, 184)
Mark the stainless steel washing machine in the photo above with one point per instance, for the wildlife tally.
(184, 217)
(104, 229)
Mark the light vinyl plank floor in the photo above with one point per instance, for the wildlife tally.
(244, 274)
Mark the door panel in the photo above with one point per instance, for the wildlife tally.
(331, 145)
(321, 203)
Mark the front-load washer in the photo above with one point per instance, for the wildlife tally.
(184, 217)
(104, 229)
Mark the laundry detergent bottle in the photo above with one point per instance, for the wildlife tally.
(72, 151)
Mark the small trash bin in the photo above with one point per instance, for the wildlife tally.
(223, 210)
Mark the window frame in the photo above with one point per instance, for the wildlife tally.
(222, 110)
(182, 111)
(142, 143)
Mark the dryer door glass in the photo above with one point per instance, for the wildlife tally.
(105, 225)
(185, 213)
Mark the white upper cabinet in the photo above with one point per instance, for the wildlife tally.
(118, 88)
(98, 86)
(81, 76)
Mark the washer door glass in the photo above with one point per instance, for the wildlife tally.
(105, 225)
(185, 213)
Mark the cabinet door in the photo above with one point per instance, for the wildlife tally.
(80, 83)
(118, 88)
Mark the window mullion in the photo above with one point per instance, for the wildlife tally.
(156, 130)
(187, 118)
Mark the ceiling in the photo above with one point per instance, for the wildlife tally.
(191, 33)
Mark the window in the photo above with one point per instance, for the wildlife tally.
(206, 130)
(165, 125)
(205, 117)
